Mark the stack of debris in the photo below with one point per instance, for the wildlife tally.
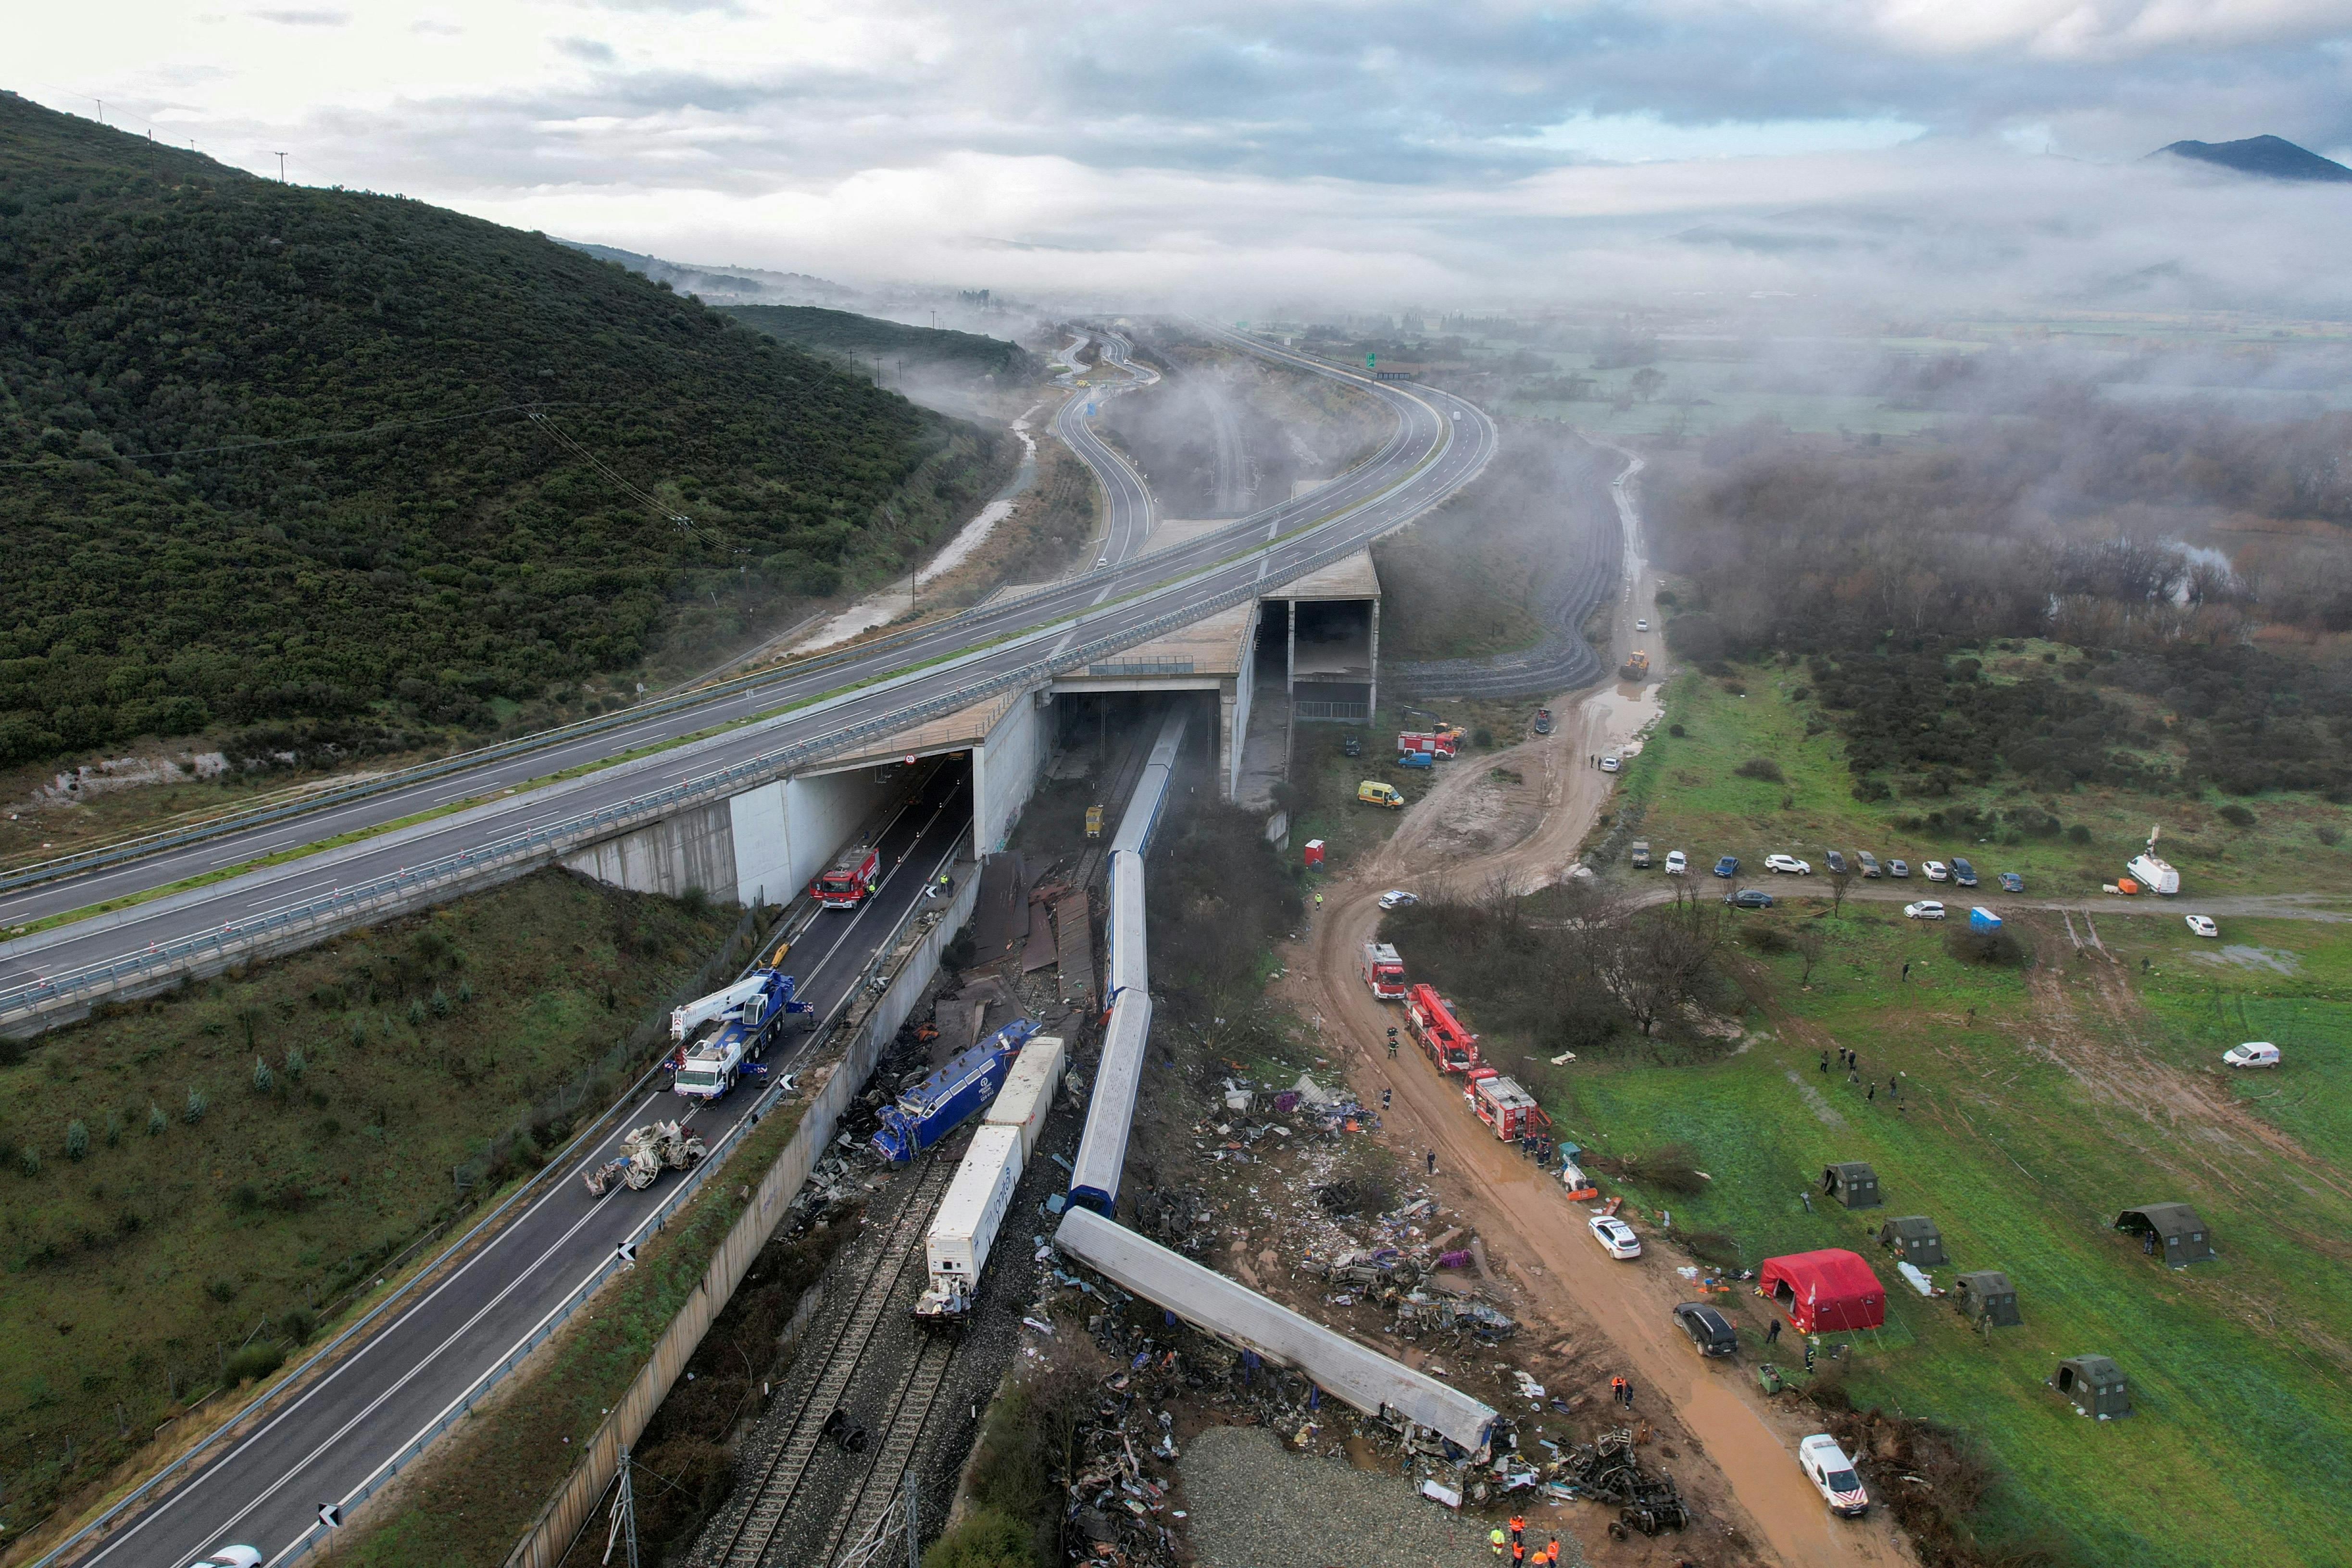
(1176, 1217)
(1609, 1471)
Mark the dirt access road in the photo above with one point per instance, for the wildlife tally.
(1740, 1462)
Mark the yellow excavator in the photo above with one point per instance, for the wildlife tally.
(1635, 667)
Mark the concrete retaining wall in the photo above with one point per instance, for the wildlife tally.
(693, 849)
(1005, 768)
(550, 1535)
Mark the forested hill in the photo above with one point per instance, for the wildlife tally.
(325, 466)
(855, 338)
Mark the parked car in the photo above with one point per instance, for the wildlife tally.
(1351, 744)
(2252, 1053)
(1925, 910)
(1835, 861)
(1677, 863)
(1615, 1236)
(2202, 925)
(1963, 873)
(1935, 871)
(1708, 1329)
(1832, 1473)
(1748, 899)
(1728, 866)
(1397, 899)
(1786, 864)
(2011, 882)
(1641, 624)
(1609, 764)
(1868, 861)
(1898, 868)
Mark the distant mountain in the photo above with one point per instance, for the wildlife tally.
(727, 285)
(2271, 157)
(857, 340)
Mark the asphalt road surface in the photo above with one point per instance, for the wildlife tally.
(1438, 445)
(264, 1490)
(1126, 499)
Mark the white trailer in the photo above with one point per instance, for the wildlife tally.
(1028, 1091)
(2152, 872)
(956, 1249)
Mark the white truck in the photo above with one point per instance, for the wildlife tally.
(2151, 873)
(965, 1226)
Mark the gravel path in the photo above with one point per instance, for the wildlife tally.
(1255, 1504)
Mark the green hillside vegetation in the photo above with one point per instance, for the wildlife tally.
(854, 339)
(308, 468)
(171, 1214)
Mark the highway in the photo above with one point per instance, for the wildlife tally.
(1438, 445)
(326, 1445)
(265, 1490)
(1126, 499)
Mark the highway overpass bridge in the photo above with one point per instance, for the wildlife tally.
(744, 789)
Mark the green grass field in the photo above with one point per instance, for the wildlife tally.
(2035, 1105)
(134, 1272)
(1696, 801)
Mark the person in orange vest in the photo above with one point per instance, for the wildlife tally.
(1519, 1527)
(1518, 1552)
(1551, 1552)
(1617, 1390)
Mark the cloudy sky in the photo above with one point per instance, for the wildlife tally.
(1457, 153)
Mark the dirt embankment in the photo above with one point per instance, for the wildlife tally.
(1738, 1450)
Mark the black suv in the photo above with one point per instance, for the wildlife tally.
(1709, 1329)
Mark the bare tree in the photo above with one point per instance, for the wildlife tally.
(1840, 880)
(1811, 946)
(1653, 961)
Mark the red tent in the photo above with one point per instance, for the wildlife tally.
(1825, 1291)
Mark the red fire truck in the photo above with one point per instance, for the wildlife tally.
(1502, 1105)
(1385, 971)
(1437, 744)
(1453, 1047)
(849, 880)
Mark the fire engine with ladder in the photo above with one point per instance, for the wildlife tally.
(1453, 1047)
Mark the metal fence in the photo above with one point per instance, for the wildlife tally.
(444, 876)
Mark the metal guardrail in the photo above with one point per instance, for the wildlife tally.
(344, 906)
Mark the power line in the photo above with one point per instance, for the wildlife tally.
(645, 498)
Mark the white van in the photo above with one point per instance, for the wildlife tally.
(2252, 1053)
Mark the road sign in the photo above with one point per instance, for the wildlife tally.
(1370, 360)
(1091, 410)
(331, 1515)
(627, 1253)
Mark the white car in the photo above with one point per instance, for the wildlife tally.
(1609, 764)
(1788, 863)
(1832, 1473)
(230, 1557)
(1936, 870)
(1640, 625)
(2252, 1053)
(1925, 910)
(1677, 863)
(2202, 925)
(1615, 1236)
(1397, 899)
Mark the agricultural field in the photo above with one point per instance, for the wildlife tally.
(2022, 1107)
(1797, 797)
(197, 1184)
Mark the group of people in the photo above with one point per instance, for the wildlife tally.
(1515, 1544)
(1852, 1061)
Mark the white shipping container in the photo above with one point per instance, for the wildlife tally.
(957, 1248)
(1028, 1091)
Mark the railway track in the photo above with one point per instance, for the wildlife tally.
(865, 1515)
(780, 1482)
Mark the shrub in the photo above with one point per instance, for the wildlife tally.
(358, 1031)
(29, 1159)
(296, 1066)
(244, 1197)
(1672, 1166)
(2237, 816)
(1998, 949)
(1871, 790)
(297, 1325)
(2327, 833)
(417, 1012)
(113, 1128)
(1676, 730)
(441, 1003)
(264, 1081)
(156, 1120)
(464, 992)
(1715, 1246)
(1482, 738)
(77, 1138)
(985, 1540)
(222, 1290)
(1765, 939)
(255, 1362)
(2078, 834)
(1761, 768)
(196, 1106)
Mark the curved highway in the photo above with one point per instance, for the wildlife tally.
(1126, 499)
(1437, 445)
(338, 1435)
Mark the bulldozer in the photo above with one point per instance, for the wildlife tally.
(645, 1153)
(1635, 667)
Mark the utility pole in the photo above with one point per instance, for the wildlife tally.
(625, 1516)
(282, 168)
(914, 1547)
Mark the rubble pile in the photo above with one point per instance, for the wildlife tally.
(1609, 1471)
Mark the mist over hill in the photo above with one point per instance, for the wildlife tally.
(325, 466)
(2271, 157)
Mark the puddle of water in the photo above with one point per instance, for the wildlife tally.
(2242, 955)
